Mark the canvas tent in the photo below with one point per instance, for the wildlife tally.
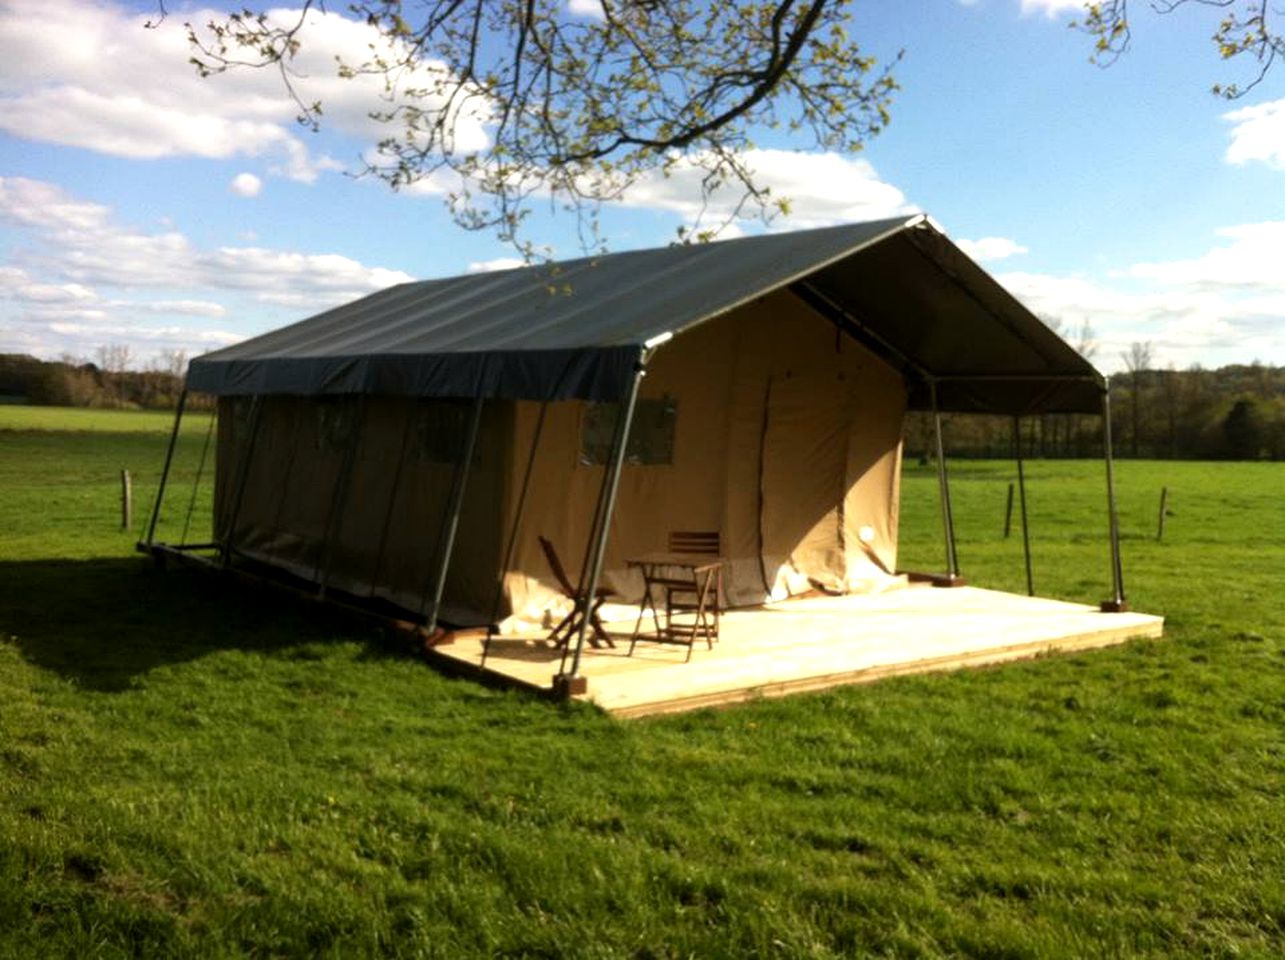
(412, 445)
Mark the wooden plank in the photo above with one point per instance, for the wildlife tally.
(821, 642)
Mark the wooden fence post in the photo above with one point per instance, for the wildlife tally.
(126, 501)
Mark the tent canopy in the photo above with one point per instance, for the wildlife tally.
(578, 328)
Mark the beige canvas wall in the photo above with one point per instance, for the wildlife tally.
(787, 442)
(377, 535)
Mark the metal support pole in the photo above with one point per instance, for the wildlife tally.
(610, 484)
(586, 562)
(513, 534)
(165, 470)
(1118, 603)
(1021, 486)
(943, 483)
(256, 415)
(446, 540)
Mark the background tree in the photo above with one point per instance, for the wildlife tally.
(1243, 431)
(1136, 360)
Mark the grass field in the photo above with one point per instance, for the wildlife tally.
(188, 769)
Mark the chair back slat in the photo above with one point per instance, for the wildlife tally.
(701, 542)
(555, 564)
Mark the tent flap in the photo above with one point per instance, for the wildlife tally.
(590, 374)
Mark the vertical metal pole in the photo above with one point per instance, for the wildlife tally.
(586, 562)
(611, 484)
(165, 470)
(1021, 486)
(1164, 509)
(256, 415)
(1008, 512)
(513, 534)
(446, 542)
(943, 483)
(1118, 602)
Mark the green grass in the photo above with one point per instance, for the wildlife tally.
(192, 769)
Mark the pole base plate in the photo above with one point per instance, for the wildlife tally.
(565, 686)
(1114, 606)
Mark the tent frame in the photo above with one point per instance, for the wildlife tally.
(620, 364)
(569, 680)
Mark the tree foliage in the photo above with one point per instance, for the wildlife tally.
(500, 103)
(580, 100)
(1247, 30)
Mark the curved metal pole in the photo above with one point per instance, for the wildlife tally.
(1021, 487)
(1118, 603)
(943, 483)
(165, 470)
(611, 482)
(446, 541)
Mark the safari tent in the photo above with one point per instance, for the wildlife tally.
(411, 447)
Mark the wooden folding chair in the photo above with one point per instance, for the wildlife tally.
(691, 584)
(570, 624)
(697, 594)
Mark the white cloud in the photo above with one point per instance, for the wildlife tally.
(190, 308)
(1254, 260)
(1258, 133)
(89, 75)
(1224, 306)
(991, 248)
(1053, 8)
(499, 263)
(80, 275)
(822, 189)
(586, 8)
(246, 185)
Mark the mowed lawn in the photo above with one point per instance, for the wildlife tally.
(188, 768)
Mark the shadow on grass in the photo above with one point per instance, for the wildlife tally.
(104, 622)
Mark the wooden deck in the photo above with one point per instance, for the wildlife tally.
(812, 644)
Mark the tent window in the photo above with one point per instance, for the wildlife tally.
(336, 423)
(440, 430)
(651, 436)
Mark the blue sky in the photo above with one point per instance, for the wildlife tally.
(142, 206)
